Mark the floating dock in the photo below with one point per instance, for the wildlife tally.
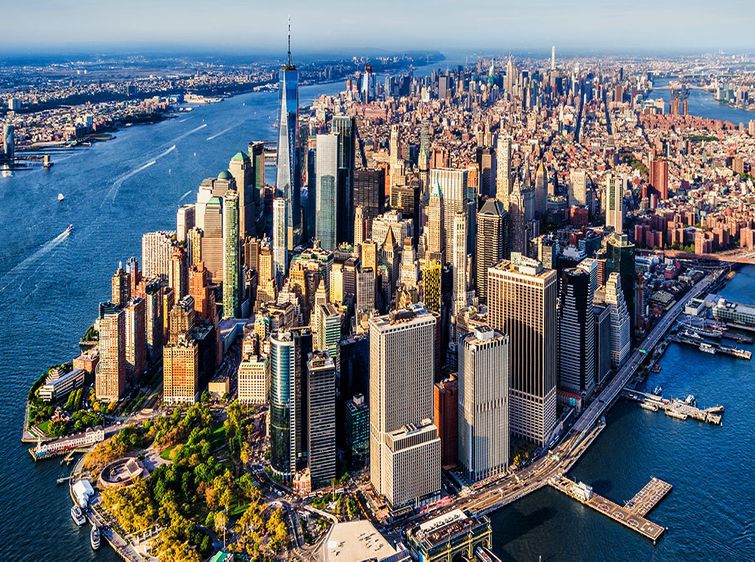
(632, 514)
(675, 408)
(712, 348)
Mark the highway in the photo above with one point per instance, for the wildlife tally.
(577, 440)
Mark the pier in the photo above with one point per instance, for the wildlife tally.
(631, 515)
(712, 348)
(675, 408)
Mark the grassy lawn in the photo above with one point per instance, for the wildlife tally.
(44, 427)
(237, 509)
(169, 453)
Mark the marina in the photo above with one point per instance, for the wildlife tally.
(709, 347)
(632, 514)
(676, 408)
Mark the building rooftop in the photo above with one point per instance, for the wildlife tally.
(356, 541)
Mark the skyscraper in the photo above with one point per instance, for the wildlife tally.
(184, 221)
(321, 418)
(110, 377)
(369, 191)
(621, 260)
(135, 338)
(326, 191)
(156, 251)
(445, 417)
(212, 239)
(404, 444)
(288, 160)
(492, 222)
(280, 238)
(576, 346)
(522, 305)
(231, 257)
(659, 177)
(619, 314)
(615, 188)
(459, 260)
(120, 288)
(503, 170)
(434, 228)
(242, 171)
(283, 420)
(453, 187)
(484, 403)
(181, 371)
(578, 188)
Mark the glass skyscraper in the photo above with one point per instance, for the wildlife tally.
(326, 169)
(282, 412)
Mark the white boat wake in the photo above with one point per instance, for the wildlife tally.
(119, 181)
(184, 196)
(224, 131)
(187, 133)
(44, 249)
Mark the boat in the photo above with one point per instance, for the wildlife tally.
(94, 537)
(707, 348)
(77, 515)
(68, 229)
(61, 197)
(649, 406)
(677, 415)
(656, 368)
(715, 410)
(690, 400)
(691, 334)
(658, 390)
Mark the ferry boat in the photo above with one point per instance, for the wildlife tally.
(94, 537)
(77, 515)
(707, 348)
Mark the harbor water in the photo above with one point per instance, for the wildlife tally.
(50, 284)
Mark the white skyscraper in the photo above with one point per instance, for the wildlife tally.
(614, 197)
(503, 169)
(484, 403)
(459, 261)
(404, 443)
(280, 237)
(617, 306)
(326, 167)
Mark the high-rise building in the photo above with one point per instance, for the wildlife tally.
(615, 188)
(576, 344)
(242, 171)
(178, 279)
(483, 409)
(231, 256)
(369, 191)
(120, 287)
(492, 222)
(194, 246)
(578, 188)
(602, 323)
(541, 191)
(619, 313)
(326, 191)
(343, 126)
(445, 417)
(321, 418)
(136, 338)
(157, 248)
(404, 444)
(154, 317)
(659, 177)
(280, 239)
(181, 371)
(503, 169)
(522, 305)
(434, 231)
(254, 380)
(110, 377)
(621, 260)
(357, 431)
(431, 285)
(358, 226)
(459, 260)
(184, 221)
(283, 421)
(453, 186)
(212, 239)
(288, 158)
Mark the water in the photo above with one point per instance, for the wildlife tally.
(702, 104)
(710, 512)
(50, 283)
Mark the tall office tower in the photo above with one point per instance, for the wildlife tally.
(329, 329)
(434, 227)
(255, 150)
(485, 171)
(615, 188)
(194, 246)
(134, 277)
(120, 287)
(283, 420)
(431, 285)
(408, 274)
(620, 330)
(184, 221)
(576, 344)
(621, 260)
(242, 171)
(153, 317)
(659, 177)
(520, 212)
(602, 323)
(522, 305)
(404, 444)
(326, 192)
(357, 431)
(212, 239)
(167, 303)
(302, 348)
(182, 318)
(321, 418)
(280, 239)
(369, 191)
(453, 186)
(484, 403)
(181, 371)
(136, 338)
(553, 58)
(358, 226)
(394, 159)
(503, 169)
(9, 142)
(366, 290)
(200, 291)
(445, 417)
(178, 278)
(459, 260)
(370, 254)
(254, 380)
(492, 222)
(231, 256)
(590, 265)
(110, 378)
(541, 191)
(577, 188)
(156, 250)
(343, 126)
(288, 162)
(423, 158)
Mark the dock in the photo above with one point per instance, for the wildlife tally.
(675, 408)
(712, 348)
(631, 515)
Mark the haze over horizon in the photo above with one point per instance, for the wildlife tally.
(587, 26)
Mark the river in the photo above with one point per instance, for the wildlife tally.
(703, 104)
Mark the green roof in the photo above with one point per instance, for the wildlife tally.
(239, 157)
(224, 175)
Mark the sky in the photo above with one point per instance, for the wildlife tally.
(245, 26)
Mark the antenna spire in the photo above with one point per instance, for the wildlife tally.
(289, 40)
